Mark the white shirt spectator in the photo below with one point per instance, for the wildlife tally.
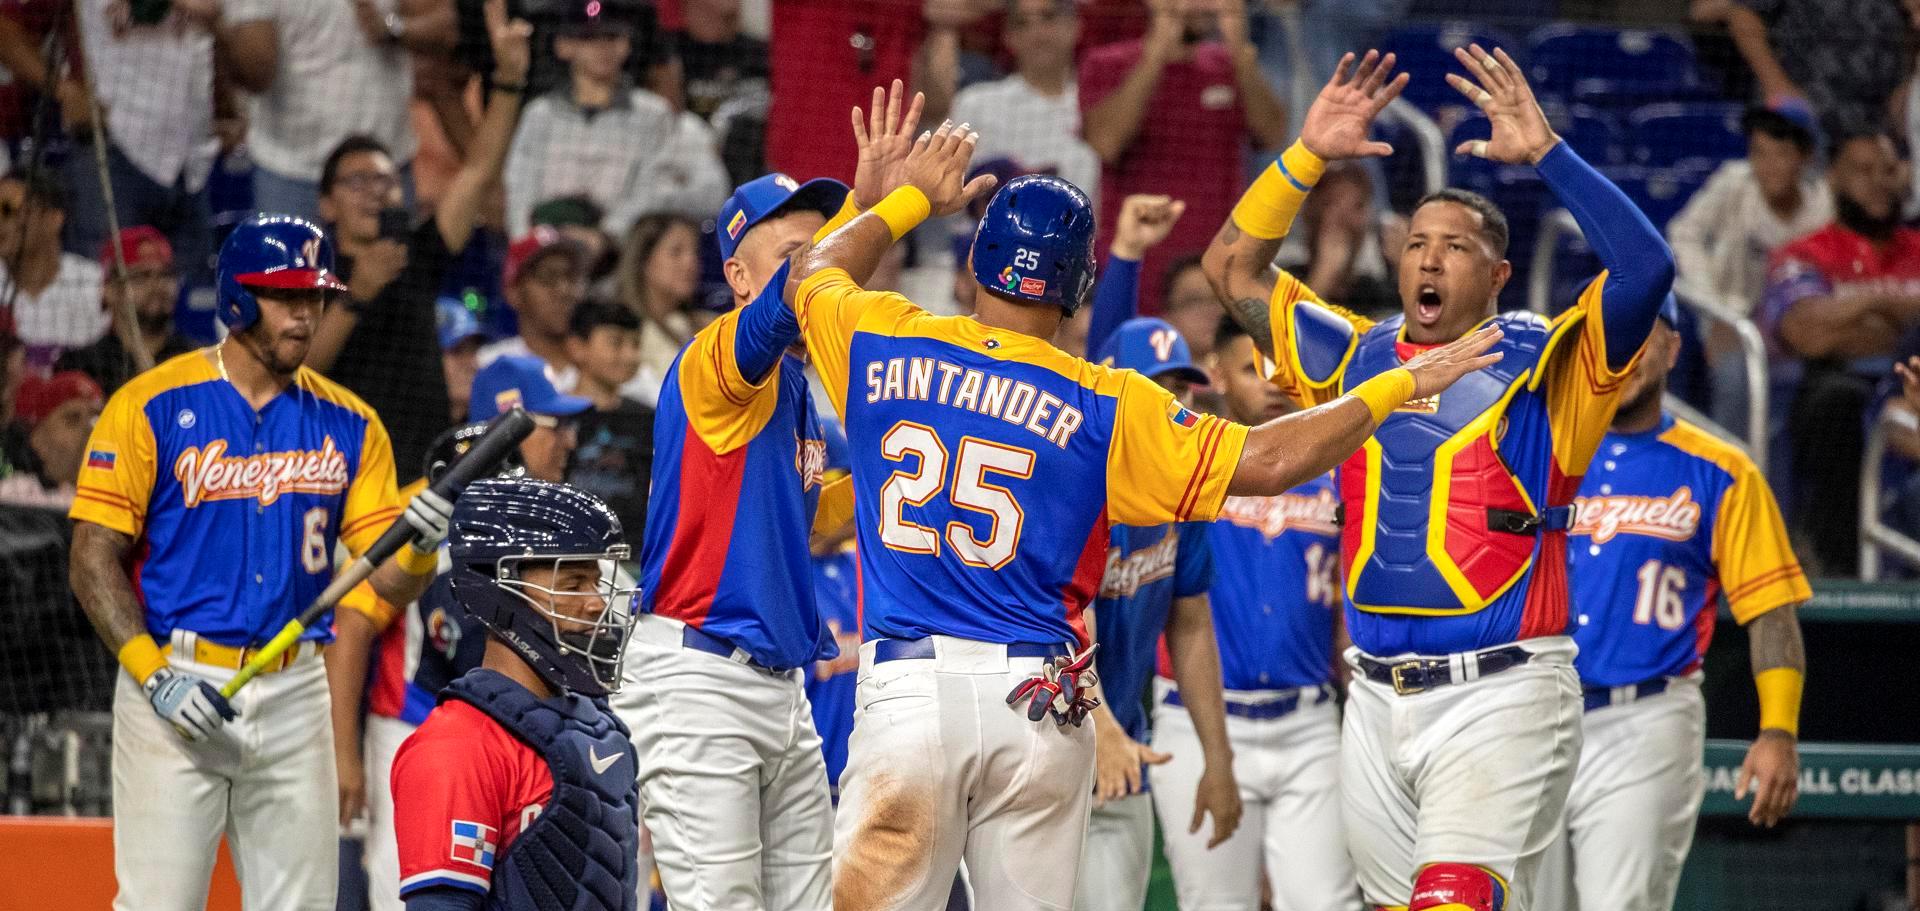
(156, 86)
(66, 314)
(331, 83)
(636, 157)
(1724, 236)
(1040, 132)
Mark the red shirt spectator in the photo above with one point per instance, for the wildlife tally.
(827, 57)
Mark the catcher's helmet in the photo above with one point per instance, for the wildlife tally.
(1035, 242)
(572, 635)
(271, 251)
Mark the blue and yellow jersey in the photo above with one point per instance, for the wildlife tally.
(736, 481)
(1668, 520)
(988, 465)
(1277, 588)
(1147, 568)
(235, 513)
(830, 683)
(1528, 429)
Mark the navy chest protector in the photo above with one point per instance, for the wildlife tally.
(581, 854)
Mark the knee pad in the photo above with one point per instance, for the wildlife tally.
(1458, 887)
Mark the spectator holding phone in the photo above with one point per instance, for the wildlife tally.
(380, 339)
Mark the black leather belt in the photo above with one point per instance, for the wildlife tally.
(1599, 697)
(1417, 675)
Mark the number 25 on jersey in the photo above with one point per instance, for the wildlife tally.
(923, 473)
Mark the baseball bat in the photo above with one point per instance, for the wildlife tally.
(481, 460)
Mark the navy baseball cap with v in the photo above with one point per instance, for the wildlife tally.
(522, 380)
(761, 198)
(1152, 347)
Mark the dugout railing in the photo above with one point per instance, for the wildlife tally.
(1878, 540)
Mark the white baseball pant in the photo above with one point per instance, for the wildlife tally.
(266, 780)
(1288, 770)
(1474, 772)
(941, 769)
(1635, 798)
(733, 788)
(381, 742)
(1117, 859)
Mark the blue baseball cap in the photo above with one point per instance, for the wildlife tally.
(520, 380)
(761, 198)
(1152, 347)
(455, 323)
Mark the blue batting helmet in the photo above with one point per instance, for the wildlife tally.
(271, 251)
(1035, 242)
(573, 638)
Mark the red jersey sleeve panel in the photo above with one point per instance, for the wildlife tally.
(463, 789)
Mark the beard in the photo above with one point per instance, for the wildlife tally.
(1857, 219)
(155, 323)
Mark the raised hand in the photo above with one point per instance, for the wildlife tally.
(510, 39)
(1338, 121)
(1521, 134)
(1909, 372)
(885, 136)
(937, 167)
(1438, 368)
(1145, 221)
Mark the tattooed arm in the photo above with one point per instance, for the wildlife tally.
(1772, 767)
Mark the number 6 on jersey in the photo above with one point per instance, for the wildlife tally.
(971, 491)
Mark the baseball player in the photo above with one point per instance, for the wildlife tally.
(1453, 545)
(987, 467)
(1669, 518)
(1275, 595)
(387, 666)
(224, 477)
(731, 778)
(518, 791)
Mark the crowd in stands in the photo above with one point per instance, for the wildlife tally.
(568, 223)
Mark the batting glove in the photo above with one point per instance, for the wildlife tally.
(430, 515)
(191, 704)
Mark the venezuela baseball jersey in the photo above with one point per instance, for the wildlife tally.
(1667, 520)
(988, 465)
(1274, 599)
(469, 788)
(830, 687)
(736, 481)
(235, 512)
(1147, 568)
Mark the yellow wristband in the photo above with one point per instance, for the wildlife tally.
(416, 563)
(848, 212)
(903, 210)
(1385, 392)
(141, 657)
(1267, 209)
(1780, 689)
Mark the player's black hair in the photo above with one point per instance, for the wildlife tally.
(1228, 330)
(352, 145)
(43, 191)
(1493, 222)
(591, 314)
(1177, 267)
(1776, 126)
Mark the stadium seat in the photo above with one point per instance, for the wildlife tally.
(1636, 62)
(1591, 132)
(1659, 192)
(1426, 51)
(1665, 135)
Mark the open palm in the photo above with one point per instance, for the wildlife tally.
(1521, 134)
(1341, 116)
(885, 136)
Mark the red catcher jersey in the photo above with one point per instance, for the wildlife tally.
(464, 788)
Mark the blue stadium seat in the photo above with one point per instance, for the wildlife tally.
(1591, 132)
(1668, 134)
(1622, 97)
(1426, 51)
(1638, 62)
(1659, 192)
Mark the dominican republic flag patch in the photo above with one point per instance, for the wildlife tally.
(100, 458)
(1183, 417)
(473, 843)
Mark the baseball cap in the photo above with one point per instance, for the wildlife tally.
(455, 323)
(761, 198)
(1795, 111)
(585, 18)
(141, 244)
(39, 397)
(521, 380)
(1152, 347)
(537, 244)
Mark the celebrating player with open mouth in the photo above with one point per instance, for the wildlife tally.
(1456, 511)
(987, 465)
